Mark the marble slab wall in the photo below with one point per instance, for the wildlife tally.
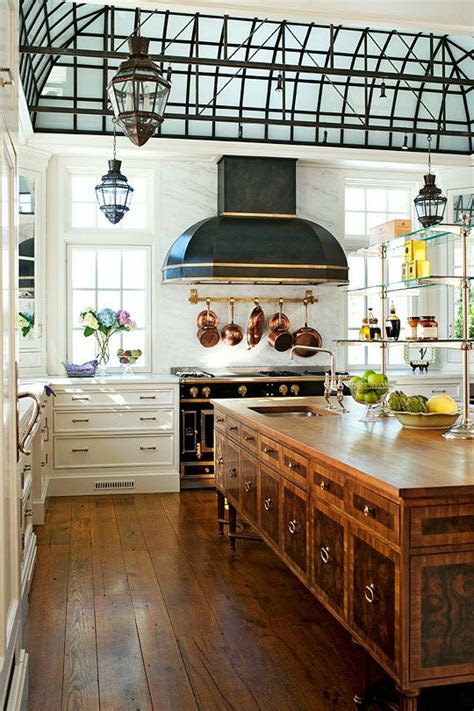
(187, 193)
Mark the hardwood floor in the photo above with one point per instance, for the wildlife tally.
(137, 603)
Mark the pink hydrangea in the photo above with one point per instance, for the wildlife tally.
(123, 318)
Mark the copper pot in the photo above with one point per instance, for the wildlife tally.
(208, 336)
(279, 337)
(207, 318)
(306, 336)
(255, 326)
(232, 334)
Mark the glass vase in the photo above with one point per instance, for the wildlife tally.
(103, 356)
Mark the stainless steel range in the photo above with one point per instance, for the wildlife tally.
(197, 414)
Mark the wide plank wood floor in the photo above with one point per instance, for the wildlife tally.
(138, 604)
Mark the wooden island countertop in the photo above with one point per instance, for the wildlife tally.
(404, 462)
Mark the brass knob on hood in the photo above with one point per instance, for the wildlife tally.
(242, 391)
(206, 391)
(194, 391)
(283, 390)
(295, 389)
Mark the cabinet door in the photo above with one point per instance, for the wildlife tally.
(219, 454)
(270, 504)
(374, 570)
(295, 510)
(329, 539)
(232, 471)
(249, 493)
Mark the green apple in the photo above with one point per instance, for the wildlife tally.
(371, 397)
(367, 373)
(362, 387)
(353, 381)
(376, 380)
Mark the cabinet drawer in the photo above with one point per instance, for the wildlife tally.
(295, 520)
(269, 504)
(219, 421)
(233, 428)
(442, 525)
(270, 451)
(88, 452)
(429, 389)
(295, 466)
(249, 439)
(329, 554)
(113, 397)
(375, 511)
(249, 491)
(113, 420)
(328, 483)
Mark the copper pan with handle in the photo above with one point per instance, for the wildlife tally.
(208, 335)
(255, 326)
(306, 336)
(280, 337)
(232, 334)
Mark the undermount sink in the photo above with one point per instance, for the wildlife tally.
(288, 411)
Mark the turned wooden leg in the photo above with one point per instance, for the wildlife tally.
(409, 699)
(232, 525)
(360, 695)
(220, 512)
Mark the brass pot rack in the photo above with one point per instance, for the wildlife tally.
(308, 298)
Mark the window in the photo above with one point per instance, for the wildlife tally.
(367, 206)
(115, 277)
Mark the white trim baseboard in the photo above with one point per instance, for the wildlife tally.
(83, 485)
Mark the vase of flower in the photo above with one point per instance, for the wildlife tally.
(103, 325)
(26, 323)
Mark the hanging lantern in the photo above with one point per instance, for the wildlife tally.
(430, 203)
(138, 93)
(114, 193)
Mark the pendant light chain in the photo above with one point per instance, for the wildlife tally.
(429, 154)
(115, 141)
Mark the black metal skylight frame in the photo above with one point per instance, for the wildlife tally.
(431, 70)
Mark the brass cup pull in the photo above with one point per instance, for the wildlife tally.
(294, 527)
(219, 419)
(293, 465)
(268, 450)
(324, 485)
(368, 511)
(325, 554)
(233, 472)
(268, 504)
(247, 438)
(82, 419)
(370, 593)
(233, 429)
(248, 486)
(81, 449)
(220, 460)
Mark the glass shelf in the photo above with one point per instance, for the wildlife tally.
(452, 343)
(438, 234)
(455, 281)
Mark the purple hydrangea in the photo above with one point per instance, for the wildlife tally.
(106, 317)
(123, 318)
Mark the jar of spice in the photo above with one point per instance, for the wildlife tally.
(427, 329)
(413, 322)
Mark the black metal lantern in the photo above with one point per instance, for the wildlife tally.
(430, 203)
(114, 193)
(138, 93)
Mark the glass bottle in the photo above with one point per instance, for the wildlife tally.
(364, 333)
(392, 324)
(375, 332)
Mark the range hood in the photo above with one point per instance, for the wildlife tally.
(256, 237)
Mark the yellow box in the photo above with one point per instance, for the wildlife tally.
(423, 268)
(415, 250)
(410, 270)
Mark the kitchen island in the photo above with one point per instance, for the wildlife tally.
(378, 521)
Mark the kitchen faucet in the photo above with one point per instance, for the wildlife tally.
(331, 385)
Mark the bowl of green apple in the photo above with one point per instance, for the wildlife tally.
(370, 390)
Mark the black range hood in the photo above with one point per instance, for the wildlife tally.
(256, 238)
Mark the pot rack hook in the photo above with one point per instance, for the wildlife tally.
(256, 301)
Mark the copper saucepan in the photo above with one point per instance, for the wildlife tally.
(207, 317)
(207, 334)
(231, 334)
(306, 336)
(255, 325)
(280, 338)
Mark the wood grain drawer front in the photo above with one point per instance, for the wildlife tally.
(375, 511)
(113, 397)
(249, 491)
(270, 451)
(329, 552)
(88, 452)
(270, 504)
(233, 428)
(295, 466)
(328, 483)
(442, 525)
(232, 474)
(295, 514)
(249, 439)
(374, 575)
(219, 453)
(114, 421)
(442, 615)
(219, 421)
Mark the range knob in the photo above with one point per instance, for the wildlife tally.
(194, 391)
(242, 390)
(295, 389)
(283, 390)
(206, 391)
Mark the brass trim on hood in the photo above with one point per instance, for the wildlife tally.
(289, 216)
(259, 280)
(253, 265)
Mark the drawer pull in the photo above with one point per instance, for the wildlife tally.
(146, 419)
(268, 450)
(28, 512)
(84, 419)
(370, 593)
(147, 397)
(143, 449)
(369, 511)
(83, 449)
(233, 472)
(324, 485)
(293, 465)
(247, 438)
(325, 554)
(80, 397)
(294, 527)
(248, 486)
(219, 419)
(442, 390)
(27, 468)
(233, 428)
(220, 460)
(268, 505)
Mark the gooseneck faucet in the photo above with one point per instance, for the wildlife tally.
(331, 385)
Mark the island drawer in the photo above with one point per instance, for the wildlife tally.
(441, 525)
(219, 421)
(295, 466)
(328, 483)
(112, 397)
(375, 511)
(249, 439)
(113, 420)
(270, 451)
(233, 428)
(87, 452)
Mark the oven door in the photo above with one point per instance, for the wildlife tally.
(207, 430)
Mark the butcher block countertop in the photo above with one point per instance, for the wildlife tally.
(404, 462)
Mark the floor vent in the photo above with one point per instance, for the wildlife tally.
(114, 485)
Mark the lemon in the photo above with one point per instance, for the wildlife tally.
(442, 404)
